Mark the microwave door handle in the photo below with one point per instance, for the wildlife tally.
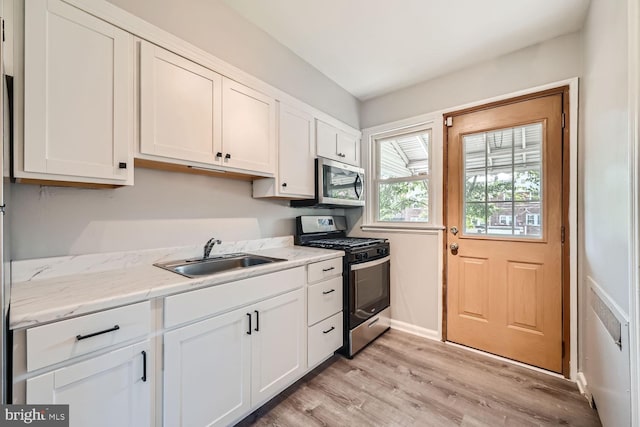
(355, 185)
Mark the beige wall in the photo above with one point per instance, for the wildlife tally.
(215, 27)
(550, 61)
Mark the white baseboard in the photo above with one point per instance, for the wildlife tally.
(415, 330)
(581, 380)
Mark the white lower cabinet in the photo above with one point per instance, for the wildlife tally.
(112, 389)
(217, 370)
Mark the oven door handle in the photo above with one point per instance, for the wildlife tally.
(363, 265)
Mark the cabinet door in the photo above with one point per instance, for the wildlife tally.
(327, 139)
(296, 152)
(78, 94)
(348, 148)
(107, 390)
(206, 371)
(248, 128)
(180, 107)
(279, 345)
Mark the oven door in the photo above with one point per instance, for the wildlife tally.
(339, 184)
(369, 284)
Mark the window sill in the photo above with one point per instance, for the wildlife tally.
(403, 228)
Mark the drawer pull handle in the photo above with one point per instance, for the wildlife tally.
(249, 331)
(144, 366)
(329, 330)
(328, 269)
(83, 337)
(328, 292)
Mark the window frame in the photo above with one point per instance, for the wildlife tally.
(371, 155)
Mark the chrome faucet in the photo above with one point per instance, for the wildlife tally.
(208, 246)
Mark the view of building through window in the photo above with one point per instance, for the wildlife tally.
(403, 177)
(503, 188)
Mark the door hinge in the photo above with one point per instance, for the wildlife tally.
(3, 38)
(562, 233)
(563, 349)
(3, 209)
(448, 122)
(563, 119)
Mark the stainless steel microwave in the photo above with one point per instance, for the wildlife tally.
(337, 185)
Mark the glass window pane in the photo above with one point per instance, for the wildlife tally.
(503, 182)
(404, 155)
(404, 201)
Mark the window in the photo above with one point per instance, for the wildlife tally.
(401, 182)
(503, 182)
(533, 219)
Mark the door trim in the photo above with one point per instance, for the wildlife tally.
(569, 208)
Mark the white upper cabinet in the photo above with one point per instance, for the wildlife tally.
(248, 128)
(78, 97)
(336, 144)
(296, 154)
(180, 107)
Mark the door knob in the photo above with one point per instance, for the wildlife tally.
(454, 230)
(454, 248)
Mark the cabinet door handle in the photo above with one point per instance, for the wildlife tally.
(227, 156)
(84, 337)
(218, 154)
(249, 331)
(284, 184)
(122, 165)
(144, 366)
(328, 292)
(329, 330)
(328, 269)
(257, 329)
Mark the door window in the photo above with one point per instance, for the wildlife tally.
(503, 182)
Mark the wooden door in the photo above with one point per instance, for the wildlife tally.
(207, 366)
(78, 94)
(505, 226)
(279, 345)
(248, 128)
(104, 391)
(296, 152)
(180, 107)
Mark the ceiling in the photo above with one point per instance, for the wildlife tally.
(372, 47)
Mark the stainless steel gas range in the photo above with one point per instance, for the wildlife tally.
(366, 277)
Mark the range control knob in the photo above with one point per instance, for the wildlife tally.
(383, 251)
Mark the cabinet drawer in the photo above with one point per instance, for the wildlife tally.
(323, 339)
(206, 302)
(66, 339)
(324, 270)
(324, 299)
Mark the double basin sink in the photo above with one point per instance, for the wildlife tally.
(199, 267)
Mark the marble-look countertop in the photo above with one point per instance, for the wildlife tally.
(53, 297)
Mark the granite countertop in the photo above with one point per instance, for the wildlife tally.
(84, 284)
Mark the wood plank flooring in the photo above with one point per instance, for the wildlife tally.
(404, 380)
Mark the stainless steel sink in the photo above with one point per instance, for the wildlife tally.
(204, 267)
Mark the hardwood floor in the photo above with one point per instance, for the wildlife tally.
(404, 380)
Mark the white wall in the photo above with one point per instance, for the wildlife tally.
(163, 209)
(604, 203)
(215, 27)
(419, 277)
(553, 60)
